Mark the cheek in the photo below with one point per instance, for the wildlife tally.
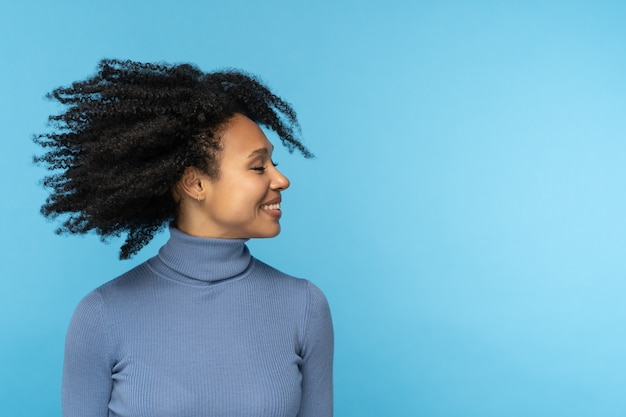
(240, 197)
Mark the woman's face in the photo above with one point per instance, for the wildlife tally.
(244, 202)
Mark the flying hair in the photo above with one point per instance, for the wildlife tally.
(128, 132)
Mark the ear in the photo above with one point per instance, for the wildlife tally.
(192, 184)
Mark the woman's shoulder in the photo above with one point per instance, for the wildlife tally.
(128, 284)
(272, 276)
(274, 279)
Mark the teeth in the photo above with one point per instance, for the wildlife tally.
(271, 206)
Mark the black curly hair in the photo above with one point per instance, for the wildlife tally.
(129, 131)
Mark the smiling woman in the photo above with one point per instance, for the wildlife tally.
(203, 328)
(245, 200)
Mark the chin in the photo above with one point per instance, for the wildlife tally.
(267, 234)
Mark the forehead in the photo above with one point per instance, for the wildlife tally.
(241, 136)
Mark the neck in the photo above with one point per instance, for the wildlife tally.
(193, 259)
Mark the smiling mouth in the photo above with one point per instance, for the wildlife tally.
(275, 206)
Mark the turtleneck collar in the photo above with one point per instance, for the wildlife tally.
(202, 260)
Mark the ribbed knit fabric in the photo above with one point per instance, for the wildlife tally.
(201, 330)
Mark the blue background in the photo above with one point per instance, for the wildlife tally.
(464, 215)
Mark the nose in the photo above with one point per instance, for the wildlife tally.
(279, 181)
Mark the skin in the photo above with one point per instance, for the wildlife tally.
(234, 206)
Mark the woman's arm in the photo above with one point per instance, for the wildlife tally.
(87, 367)
(317, 355)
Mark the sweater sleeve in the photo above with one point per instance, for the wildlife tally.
(87, 381)
(317, 358)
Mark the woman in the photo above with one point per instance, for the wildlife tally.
(203, 328)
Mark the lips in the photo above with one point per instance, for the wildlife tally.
(272, 208)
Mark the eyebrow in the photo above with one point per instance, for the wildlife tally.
(260, 151)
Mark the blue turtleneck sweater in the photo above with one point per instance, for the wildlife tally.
(203, 329)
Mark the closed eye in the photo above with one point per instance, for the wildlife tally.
(262, 168)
